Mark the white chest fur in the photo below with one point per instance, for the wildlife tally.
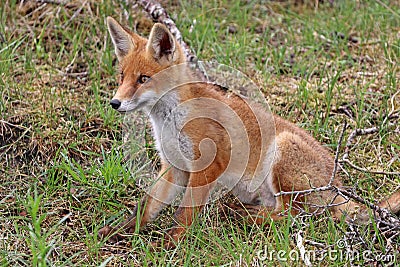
(167, 119)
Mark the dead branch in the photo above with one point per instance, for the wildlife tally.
(372, 130)
(358, 168)
(307, 191)
(76, 13)
(337, 153)
(354, 134)
(384, 214)
(56, 2)
(345, 158)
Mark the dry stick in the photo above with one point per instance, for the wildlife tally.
(354, 134)
(345, 158)
(388, 8)
(382, 212)
(358, 168)
(14, 125)
(337, 153)
(52, 2)
(358, 132)
(76, 13)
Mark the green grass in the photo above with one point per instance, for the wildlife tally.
(62, 169)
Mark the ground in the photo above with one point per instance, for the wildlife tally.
(63, 175)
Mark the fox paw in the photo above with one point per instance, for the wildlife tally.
(167, 245)
(109, 232)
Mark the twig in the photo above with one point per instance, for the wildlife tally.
(14, 125)
(354, 134)
(57, 2)
(76, 13)
(358, 168)
(384, 214)
(315, 244)
(75, 74)
(307, 191)
(388, 8)
(8, 147)
(345, 158)
(337, 153)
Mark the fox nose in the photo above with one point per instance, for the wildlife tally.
(115, 103)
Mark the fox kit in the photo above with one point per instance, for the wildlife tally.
(204, 135)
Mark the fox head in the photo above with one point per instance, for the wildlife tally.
(139, 60)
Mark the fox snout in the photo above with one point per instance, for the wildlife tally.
(115, 103)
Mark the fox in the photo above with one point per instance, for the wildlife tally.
(205, 135)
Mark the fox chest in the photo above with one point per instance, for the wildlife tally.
(173, 145)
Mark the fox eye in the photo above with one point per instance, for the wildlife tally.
(143, 79)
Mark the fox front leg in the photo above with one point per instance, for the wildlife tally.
(129, 225)
(169, 184)
(194, 199)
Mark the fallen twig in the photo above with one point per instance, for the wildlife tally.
(337, 153)
(354, 134)
(345, 158)
(56, 2)
(388, 8)
(76, 13)
(358, 168)
(74, 74)
(14, 125)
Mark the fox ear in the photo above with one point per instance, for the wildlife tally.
(161, 43)
(122, 39)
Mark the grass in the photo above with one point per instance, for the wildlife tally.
(62, 171)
